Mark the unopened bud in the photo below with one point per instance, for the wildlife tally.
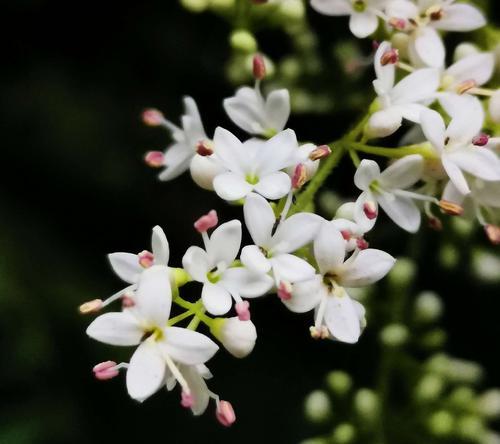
(429, 388)
(105, 370)
(488, 404)
(370, 210)
(91, 306)
(153, 117)
(299, 176)
(204, 223)
(465, 86)
(237, 336)
(187, 400)
(450, 208)
(493, 233)
(320, 152)
(428, 307)
(390, 57)
(367, 404)
(154, 159)
(243, 310)
(146, 259)
(441, 423)
(259, 67)
(344, 433)
(225, 413)
(397, 23)
(317, 406)
(339, 382)
(205, 148)
(285, 291)
(394, 335)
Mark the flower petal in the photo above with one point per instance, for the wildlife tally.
(176, 160)
(225, 243)
(429, 47)
(116, 329)
(277, 109)
(366, 267)
(277, 153)
(252, 258)
(478, 67)
(417, 86)
(367, 172)
(216, 299)
(433, 128)
(402, 210)
(332, 7)
(231, 186)
(198, 387)
(385, 73)
(259, 219)
(160, 247)
(467, 120)
(187, 346)
(295, 232)
(362, 24)
(455, 174)
(403, 173)
(146, 371)
(246, 109)
(359, 211)
(460, 17)
(274, 186)
(306, 295)
(126, 266)
(291, 268)
(479, 162)
(230, 151)
(197, 263)
(154, 295)
(246, 283)
(341, 318)
(329, 248)
(451, 194)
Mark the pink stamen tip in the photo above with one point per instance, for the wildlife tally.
(320, 152)
(243, 310)
(370, 210)
(225, 413)
(146, 259)
(375, 44)
(435, 224)
(285, 291)
(397, 23)
(187, 400)
(493, 233)
(105, 370)
(91, 306)
(154, 159)
(362, 244)
(346, 234)
(204, 223)
(259, 65)
(204, 148)
(127, 302)
(481, 140)
(299, 176)
(153, 117)
(390, 57)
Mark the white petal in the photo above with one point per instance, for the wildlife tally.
(411, 111)
(252, 258)
(401, 9)
(487, 193)
(146, 371)
(478, 67)
(126, 266)
(154, 295)
(160, 247)
(362, 24)
(332, 7)
(230, 151)
(385, 122)
(403, 173)
(455, 174)
(417, 86)
(177, 158)
(451, 194)
(198, 387)
(306, 295)
(467, 121)
(460, 17)
(367, 267)
(433, 128)
(429, 47)
(277, 109)
(359, 213)
(195, 124)
(231, 186)
(246, 109)
(187, 346)
(246, 283)
(291, 268)
(329, 248)
(385, 73)
(402, 210)
(342, 319)
(197, 263)
(277, 153)
(116, 329)
(225, 243)
(367, 172)
(274, 186)
(295, 232)
(259, 219)
(216, 299)
(479, 162)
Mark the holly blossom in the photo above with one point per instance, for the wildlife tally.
(160, 348)
(254, 165)
(404, 100)
(455, 145)
(336, 313)
(177, 157)
(389, 190)
(258, 115)
(363, 13)
(222, 281)
(274, 245)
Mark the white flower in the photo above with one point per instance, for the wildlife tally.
(214, 269)
(483, 194)
(237, 336)
(454, 144)
(335, 310)
(425, 17)
(178, 157)
(274, 245)
(303, 157)
(388, 189)
(258, 115)
(155, 357)
(204, 169)
(254, 165)
(403, 100)
(363, 13)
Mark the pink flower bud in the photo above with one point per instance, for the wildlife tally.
(225, 413)
(243, 310)
(204, 223)
(187, 400)
(259, 66)
(285, 291)
(153, 117)
(299, 176)
(105, 370)
(91, 306)
(204, 148)
(362, 244)
(154, 159)
(493, 233)
(370, 210)
(146, 259)
(390, 57)
(481, 139)
(320, 152)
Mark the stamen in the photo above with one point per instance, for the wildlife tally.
(362, 244)
(299, 176)
(204, 223)
(370, 210)
(259, 66)
(451, 208)
(465, 86)
(225, 413)
(435, 223)
(243, 310)
(176, 373)
(187, 400)
(285, 291)
(205, 148)
(481, 139)
(146, 259)
(153, 117)
(397, 23)
(91, 307)
(390, 57)
(320, 152)
(154, 159)
(493, 233)
(346, 234)
(106, 370)
(127, 302)
(435, 12)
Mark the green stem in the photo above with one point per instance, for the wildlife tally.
(180, 318)
(354, 157)
(424, 149)
(197, 309)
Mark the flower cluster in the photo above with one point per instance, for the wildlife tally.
(309, 262)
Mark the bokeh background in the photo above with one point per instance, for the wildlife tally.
(74, 187)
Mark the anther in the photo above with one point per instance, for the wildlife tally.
(153, 117)
(450, 208)
(127, 301)
(205, 148)
(154, 159)
(390, 57)
(370, 210)
(397, 23)
(346, 234)
(320, 152)
(493, 233)
(146, 259)
(435, 223)
(259, 66)
(243, 310)
(362, 244)
(225, 413)
(299, 176)
(481, 139)
(91, 306)
(435, 12)
(105, 370)
(187, 400)
(465, 86)
(285, 291)
(204, 223)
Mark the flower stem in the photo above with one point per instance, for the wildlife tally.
(424, 149)
(197, 309)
